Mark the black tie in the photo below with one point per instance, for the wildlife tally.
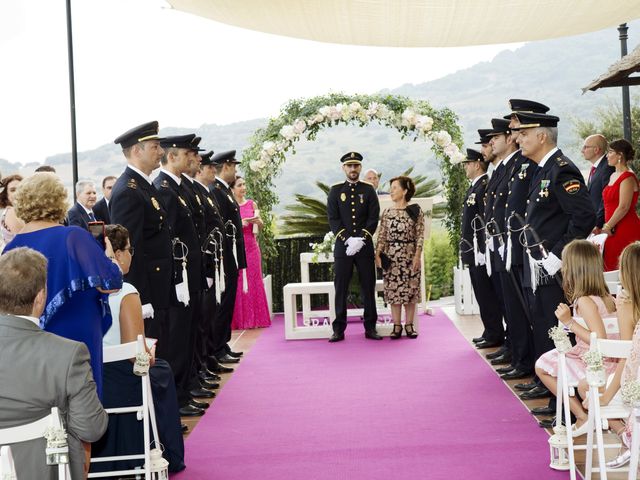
(92, 217)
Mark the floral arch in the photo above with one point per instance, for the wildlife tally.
(416, 119)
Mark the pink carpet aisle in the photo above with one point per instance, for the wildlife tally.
(429, 408)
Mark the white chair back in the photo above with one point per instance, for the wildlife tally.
(144, 412)
(33, 431)
(7, 468)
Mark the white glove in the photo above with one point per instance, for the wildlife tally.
(501, 250)
(479, 258)
(552, 264)
(147, 310)
(354, 244)
(209, 282)
(182, 292)
(358, 243)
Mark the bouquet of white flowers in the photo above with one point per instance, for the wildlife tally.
(326, 246)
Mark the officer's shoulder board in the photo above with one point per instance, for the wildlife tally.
(484, 180)
(562, 161)
(131, 183)
(164, 183)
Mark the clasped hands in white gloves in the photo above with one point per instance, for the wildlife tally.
(147, 310)
(354, 245)
(551, 264)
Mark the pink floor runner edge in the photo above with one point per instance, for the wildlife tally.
(429, 408)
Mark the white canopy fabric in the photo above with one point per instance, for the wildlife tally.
(417, 23)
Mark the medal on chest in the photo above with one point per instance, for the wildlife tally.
(343, 197)
(522, 174)
(544, 188)
(472, 199)
(361, 195)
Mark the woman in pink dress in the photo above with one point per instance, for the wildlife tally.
(620, 196)
(251, 309)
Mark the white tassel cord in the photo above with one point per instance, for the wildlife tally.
(508, 260)
(488, 255)
(217, 286)
(476, 252)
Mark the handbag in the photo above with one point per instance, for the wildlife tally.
(385, 261)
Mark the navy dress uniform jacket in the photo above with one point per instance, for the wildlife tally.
(212, 220)
(353, 210)
(180, 220)
(134, 205)
(230, 211)
(559, 208)
(474, 203)
(599, 180)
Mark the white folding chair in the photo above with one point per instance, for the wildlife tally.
(144, 412)
(612, 280)
(7, 468)
(35, 430)
(599, 414)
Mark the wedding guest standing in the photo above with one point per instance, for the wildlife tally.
(81, 213)
(594, 150)
(101, 208)
(9, 223)
(353, 210)
(400, 240)
(251, 309)
(622, 224)
(80, 273)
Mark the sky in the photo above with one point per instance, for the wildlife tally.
(138, 60)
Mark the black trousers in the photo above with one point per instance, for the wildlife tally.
(517, 319)
(367, 273)
(209, 307)
(224, 312)
(490, 307)
(158, 328)
(180, 354)
(543, 304)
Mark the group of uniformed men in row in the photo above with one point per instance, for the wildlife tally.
(186, 232)
(514, 227)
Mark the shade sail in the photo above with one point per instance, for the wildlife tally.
(417, 23)
(620, 73)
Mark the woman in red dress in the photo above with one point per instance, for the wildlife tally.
(622, 224)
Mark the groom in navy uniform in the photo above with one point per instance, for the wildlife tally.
(353, 210)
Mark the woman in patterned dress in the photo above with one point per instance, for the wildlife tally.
(399, 253)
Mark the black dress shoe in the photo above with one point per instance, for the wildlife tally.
(543, 411)
(197, 404)
(215, 367)
(525, 387)
(547, 422)
(506, 369)
(190, 411)
(496, 354)
(536, 392)
(235, 354)
(501, 360)
(184, 428)
(201, 393)
(336, 337)
(372, 335)
(488, 344)
(227, 359)
(477, 339)
(210, 377)
(209, 385)
(515, 374)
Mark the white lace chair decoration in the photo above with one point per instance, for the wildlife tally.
(50, 428)
(154, 468)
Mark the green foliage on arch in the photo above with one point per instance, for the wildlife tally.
(415, 119)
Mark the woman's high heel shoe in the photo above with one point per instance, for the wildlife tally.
(397, 332)
(410, 331)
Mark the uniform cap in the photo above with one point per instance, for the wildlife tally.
(224, 157)
(178, 141)
(534, 120)
(518, 105)
(141, 133)
(351, 158)
(473, 156)
(484, 135)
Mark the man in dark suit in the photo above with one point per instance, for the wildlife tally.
(135, 205)
(594, 150)
(41, 370)
(353, 210)
(234, 254)
(101, 208)
(559, 210)
(475, 168)
(81, 213)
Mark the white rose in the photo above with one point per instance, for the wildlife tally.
(288, 132)
(355, 107)
(328, 237)
(372, 109)
(254, 165)
(457, 157)
(299, 126)
(269, 147)
(383, 112)
(324, 111)
(334, 112)
(442, 138)
(424, 123)
(408, 118)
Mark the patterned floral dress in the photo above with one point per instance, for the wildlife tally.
(399, 238)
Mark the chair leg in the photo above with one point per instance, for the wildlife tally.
(567, 414)
(590, 423)
(635, 446)
(599, 438)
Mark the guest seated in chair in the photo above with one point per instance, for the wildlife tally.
(40, 370)
(122, 387)
(628, 310)
(400, 241)
(583, 284)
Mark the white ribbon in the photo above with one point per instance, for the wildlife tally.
(245, 285)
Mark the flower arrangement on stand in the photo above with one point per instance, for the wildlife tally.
(323, 248)
(262, 160)
(596, 376)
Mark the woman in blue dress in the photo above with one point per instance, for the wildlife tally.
(80, 273)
